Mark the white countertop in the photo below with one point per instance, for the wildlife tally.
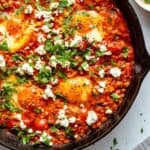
(128, 131)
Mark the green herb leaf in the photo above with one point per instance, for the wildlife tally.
(53, 129)
(43, 76)
(115, 142)
(37, 110)
(125, 52)
(115, 96)
(4, 46)
(17, 57)
(69, 132)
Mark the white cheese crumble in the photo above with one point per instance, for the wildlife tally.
(40, 50)
(2, 62)
(58, 41)
(115, 72)
(76, 40)
(44, 137)
(45, 29)
(30, 130)
(25, 69)
(39, 64)
(53, 61)
(102, 84)
(91, 118)
(44, 14)
(54, 5)
(101, 73)
(71, 2)
(48, 93)
(28, 10)
(22, 125)
(103, 48)
(94, 35)
(108, 112)
(72, 120)
(41, 38)
(63, 119)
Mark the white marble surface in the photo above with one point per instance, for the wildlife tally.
(128, 131)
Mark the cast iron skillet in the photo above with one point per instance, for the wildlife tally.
(142, 66)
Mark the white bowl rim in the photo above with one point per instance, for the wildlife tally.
(142, 4)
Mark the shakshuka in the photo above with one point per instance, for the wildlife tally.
(65, 66)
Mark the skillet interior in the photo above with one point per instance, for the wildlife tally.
(142, 66)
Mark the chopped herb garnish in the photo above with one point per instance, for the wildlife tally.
(19, 10)
(125, 52)
(17, 57)
(142, 130)
(115, 96)
(115, 142)
(62, 75)
(37, 110)
(69, 132)
(53, 129)
(60, 96)
(63, 3)
(43, 76)
(4, 46)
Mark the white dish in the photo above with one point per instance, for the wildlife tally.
(142, 4)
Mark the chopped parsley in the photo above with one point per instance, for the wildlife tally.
(4, 46)
(69, 132)
(43, 76)
(53, 129)
(125, 52)
(115, 96)
(142, 130)
(37, 110)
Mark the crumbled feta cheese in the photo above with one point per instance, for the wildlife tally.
(94, 35)
(39, 64)
(48, 93)
(2, 62)
(54, 80)
(100, 90)
(115, 72)
(45, 138)
(91, 118)
(28, 10)
(103, 48)
(53, 61)
(102, 84)
(72, 120)
(30, 130)
(44, 14)
(64, 122)
(71, 2)
(22, 125)
(40, 50)
(108, 53)
(85, 66)
(101, 73)
(54, 5)
(77, 39)
(25, 68)
(108, 112)
(45, 29)
(62, 118)
(41, 38)
(55, 31)
(58, 41)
